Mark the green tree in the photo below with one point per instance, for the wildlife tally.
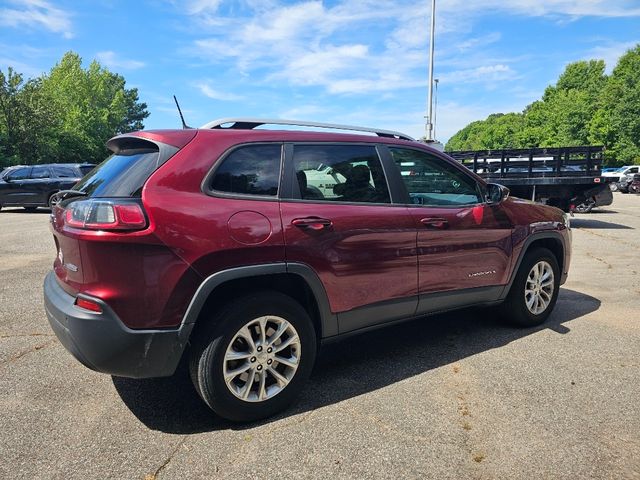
(26, 120)
(616, 123)
(564, 116)
(497, 131)
(93, 105)
(66, 115)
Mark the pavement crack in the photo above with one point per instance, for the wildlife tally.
(154, 476)
(26, 351)
(601, 260)
(608, 237)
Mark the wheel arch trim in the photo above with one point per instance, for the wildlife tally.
(328, 320)
(551, 234)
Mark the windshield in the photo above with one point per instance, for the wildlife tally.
(121, 175)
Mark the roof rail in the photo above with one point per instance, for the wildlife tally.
(251, 123)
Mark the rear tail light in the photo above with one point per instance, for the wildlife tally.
(105, 215)
(88, 305)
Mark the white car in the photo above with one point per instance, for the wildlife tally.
(620, 174)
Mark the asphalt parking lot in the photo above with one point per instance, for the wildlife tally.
(455, 396)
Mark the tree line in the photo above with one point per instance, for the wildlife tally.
(584, 107)
(66, 115)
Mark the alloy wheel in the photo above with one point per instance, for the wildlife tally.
(539, 287)
(262, 359)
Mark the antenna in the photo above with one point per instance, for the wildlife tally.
(184, 125)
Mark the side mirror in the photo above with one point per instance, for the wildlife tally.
(496, 193)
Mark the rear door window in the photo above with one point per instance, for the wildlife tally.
(249, 170)
(340, 173)
(40, 172)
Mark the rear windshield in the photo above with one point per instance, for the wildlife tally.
(121, 175)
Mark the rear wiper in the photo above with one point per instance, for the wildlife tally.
(70, 193)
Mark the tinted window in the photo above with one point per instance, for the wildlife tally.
(432, 181)
(340, 173)
(250, 170)
(19, 174)
(40, 172)
(65, 172)
(84, 169)
(120, 175)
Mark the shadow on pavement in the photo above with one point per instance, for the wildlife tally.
(597, 224)
(352, 367)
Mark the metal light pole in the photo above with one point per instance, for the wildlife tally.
(429, 125)
(435, 107)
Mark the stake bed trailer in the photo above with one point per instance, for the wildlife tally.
(565, 177)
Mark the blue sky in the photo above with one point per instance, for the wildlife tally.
(355, 62)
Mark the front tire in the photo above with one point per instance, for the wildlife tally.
(254, 356)
(534, 291)
(53, 200)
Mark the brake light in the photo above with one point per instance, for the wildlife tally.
(88, 305)
(105, 215)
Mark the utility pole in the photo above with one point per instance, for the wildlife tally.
(429, 125)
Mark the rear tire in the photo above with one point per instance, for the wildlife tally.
(585, 207)
(534, 291)
(244, 379)
(613, 187)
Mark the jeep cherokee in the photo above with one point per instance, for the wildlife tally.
(245, 248)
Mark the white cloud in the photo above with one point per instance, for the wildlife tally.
(27, 70)
(36, 14)
(295, 44)
(210, 92)
(610, 52)
(300, 43)
(476, 42)
(338, 47)
(571, 8)
(488, 74)
(111, 60)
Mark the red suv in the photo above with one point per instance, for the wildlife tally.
(247, 248)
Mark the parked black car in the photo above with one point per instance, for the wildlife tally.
(623, 185)
(35, 186)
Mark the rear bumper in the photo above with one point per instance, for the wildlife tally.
(103, 343)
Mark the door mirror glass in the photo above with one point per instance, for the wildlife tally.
(496, 193)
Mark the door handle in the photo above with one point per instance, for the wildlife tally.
(435, 222)
(312, 223)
